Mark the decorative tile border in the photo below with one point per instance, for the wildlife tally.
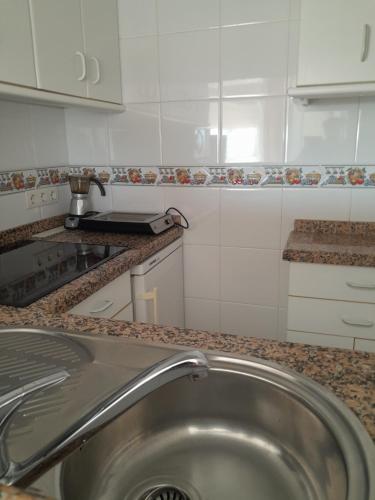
(287, 176)
(23, 180)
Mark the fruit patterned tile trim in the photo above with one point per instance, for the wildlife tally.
(294, 177)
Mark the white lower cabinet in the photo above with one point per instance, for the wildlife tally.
(332, 306)
(320, 340)
(347, 319)
(125, 314)
(111, 302)
(364, 345)
(151, 292)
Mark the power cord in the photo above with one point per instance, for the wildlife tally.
(181, 215)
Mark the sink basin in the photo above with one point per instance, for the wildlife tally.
(250, 430)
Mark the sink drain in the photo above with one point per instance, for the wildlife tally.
(165, 493)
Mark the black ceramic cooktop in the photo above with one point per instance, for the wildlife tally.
(32, 269)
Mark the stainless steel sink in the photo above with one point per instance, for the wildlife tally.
(250, 430)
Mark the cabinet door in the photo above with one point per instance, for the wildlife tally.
(337, 42)
(108, 301)
(16, 44)
(59, 53)
(125, 314)
(167, 282)
(364, 345)
(320, 340)
(335, 317)
(100, 27)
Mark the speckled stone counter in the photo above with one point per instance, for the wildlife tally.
(332, 242)
(8, 493)
(350, 375)
(138, 249)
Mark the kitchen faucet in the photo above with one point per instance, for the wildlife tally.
(192, 364)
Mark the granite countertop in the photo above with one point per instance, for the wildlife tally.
(332, 242)
(10, 493)
(350, 375)
(139, 247)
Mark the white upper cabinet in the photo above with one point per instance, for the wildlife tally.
(59, 51)
(101, 36)
(16, 44)
(337, 42)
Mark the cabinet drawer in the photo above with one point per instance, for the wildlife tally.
(320, 339)
(356, 284)
(331, 317)
(364, 345)
(125, 314)
(108, 301)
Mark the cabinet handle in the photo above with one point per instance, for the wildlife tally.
(358, 322)
(97, 66)
(81, 55)
(154, 297)
(365, 42)
(366, 286)
(102, 306)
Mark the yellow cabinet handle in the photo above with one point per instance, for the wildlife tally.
(153, 295)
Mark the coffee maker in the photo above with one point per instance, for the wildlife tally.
(80, 203)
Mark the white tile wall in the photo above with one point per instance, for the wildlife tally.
(323, 132)
(49, 137)
(187, 15)
(328, 204)
(101, 203)
(194, 89)
(14, 213)
(202, 314)
(16, 141)
(140, 199)
(251, 218)
(190, 132)
(366, 145)
(134, 136)
(252, 11)
(282, 322)
(201, 271)
(62, 205)
(248, 320)
(202, 208)
(253, 130)
(30, 136)
(137, 17)
(250, 276)
(254, 59)
(140, 69)
(87, 136)
(189, 65)
(363, 205)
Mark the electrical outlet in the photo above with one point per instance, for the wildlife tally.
(32, 199)
(41, 197)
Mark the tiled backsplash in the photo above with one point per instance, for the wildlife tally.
(23, 180)
(205, 87)
(239, 176)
